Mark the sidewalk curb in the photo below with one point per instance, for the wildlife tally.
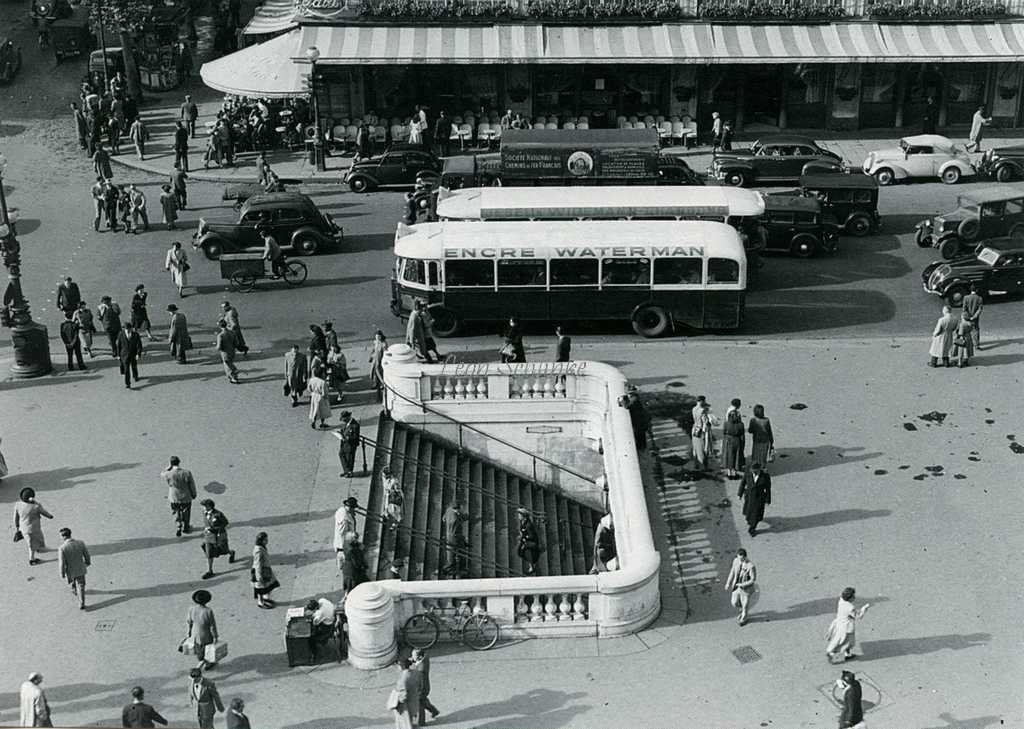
(214, 176)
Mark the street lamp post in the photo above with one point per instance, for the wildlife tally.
(313, 55)
(29, 340)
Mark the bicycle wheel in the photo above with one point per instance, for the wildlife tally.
(480, 632)
(420, 631)
(294, 273)
(243, 281)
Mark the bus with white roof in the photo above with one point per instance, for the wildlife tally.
(658, 275)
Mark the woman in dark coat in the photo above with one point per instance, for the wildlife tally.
(756, 492)
(513, 351)
(760, 428)
(529, 543)
(353, 569)
(215, 536)
(140, 314)
(732, 444)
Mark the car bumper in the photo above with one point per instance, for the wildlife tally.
(713, 174)
(931, 291)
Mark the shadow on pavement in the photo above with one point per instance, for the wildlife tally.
(798, 460)
(950, 722)
(59, 478)
(812, 608)
(789, 312)
(536, 708)
(150, 591)
(779, 524)
(877, 649)
(339, 722)
(849, 266)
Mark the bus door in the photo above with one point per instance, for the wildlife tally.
(575, 288)
(723, 297)
(418, 279)
(522, 287)
(625, 285)
(678, 288)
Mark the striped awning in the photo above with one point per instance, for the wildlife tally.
(273, 16)
(666, 43)
(265, 69)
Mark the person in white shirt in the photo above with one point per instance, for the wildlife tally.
(321, 615)
(344, 525)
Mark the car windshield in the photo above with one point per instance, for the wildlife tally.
(988, 256)
(756, 147)
(967, 206)
(903, 145)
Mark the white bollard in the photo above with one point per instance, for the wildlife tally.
(371, 627)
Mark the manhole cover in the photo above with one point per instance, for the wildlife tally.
(871, 694)
(746, 654)
(105, 626)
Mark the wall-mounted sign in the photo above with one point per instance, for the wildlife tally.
(543, 429)
(327, 9)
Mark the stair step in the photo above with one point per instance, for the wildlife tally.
(515, 565)
(435, 508)
(549, 563)
(396, 543)
(564, 541)
(415, 516)
(487, 517)
(501, 479)
(579, 561)
(588, 527)
(371, 524)
(475, 521)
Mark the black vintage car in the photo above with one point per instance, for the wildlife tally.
(990, 212)
(293, 219)
(777, 158)
(997, 267)
(794, 224)
(850, 200)
(1004, 164)
(399, 166)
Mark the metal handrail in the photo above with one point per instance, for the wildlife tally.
(426, 408)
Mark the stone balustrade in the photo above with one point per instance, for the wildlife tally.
(493, 381)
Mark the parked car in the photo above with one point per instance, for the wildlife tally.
(10, 60)
(70, 36)
(778, 158)
(980, 214)
(293, 219)
(923, 155)
(1004, 164)
(794, 224)
(850, 200)
(996, 268)
(399, 166)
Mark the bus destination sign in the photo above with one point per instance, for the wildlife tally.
(581, 252)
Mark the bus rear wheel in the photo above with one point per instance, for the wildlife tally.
(446, 322)
(651, 321)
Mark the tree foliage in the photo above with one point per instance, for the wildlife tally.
(120, 16)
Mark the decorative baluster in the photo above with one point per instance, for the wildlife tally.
(549, 387)
(513, 388)
(449, 389)
(522, 610)
(436, 389)
(579, 608)
(564, 608)
(471, 388)
(536, 610)
(524, 388)
(481, 388)
(538, 387)
(551, 608)
(460, 389)
(560, 386)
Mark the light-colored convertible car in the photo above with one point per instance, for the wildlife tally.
(923, 155)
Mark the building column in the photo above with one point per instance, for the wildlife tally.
(783, 88)
(740, 104)
(901, 93)
(944, 102)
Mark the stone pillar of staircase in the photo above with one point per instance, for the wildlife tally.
(371, 627)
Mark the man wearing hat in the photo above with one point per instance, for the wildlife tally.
(68, 295)
(215, 536)
(203, 694)
(349, 437)
(344, 527)
(528, 548)
(852, 716)
(454, 540)
(139, 713)
(73, 559)
(637, 417)
(271, 250)
(181, 492)
(177, 335)
(756, 492)
(230, 315)
(35, 710)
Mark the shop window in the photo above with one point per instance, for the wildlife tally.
(723, 271)
(573, 272)
(522, 272)
(677, 271)
(469, 274)
(625, 271)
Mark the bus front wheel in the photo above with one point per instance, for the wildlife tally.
(446, 322)
(651, 321)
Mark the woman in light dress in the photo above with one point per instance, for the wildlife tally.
(319, 399)
(377, 349)
(841, 634)
(394, 498)
(169, 206)
(176, 262)
(415, 134)
(28, 515)
(703, 439)
(263, 580)
(942, 338)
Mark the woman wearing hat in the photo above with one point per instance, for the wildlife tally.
(529, 543)
(215, 536)
(263, 580)
(140, 314)
(169, 206)
(202, 625)
(28, 523)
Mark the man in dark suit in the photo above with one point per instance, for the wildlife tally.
(203, 695)
(68, 295)
(563, 346)
(852, 716)
(188, 114)
(72, 344)
(349, 437)
(443, 134)
(129, 349)
(756, 492)
(139, 713)
(181, 146)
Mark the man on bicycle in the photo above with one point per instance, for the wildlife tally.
(272, 251)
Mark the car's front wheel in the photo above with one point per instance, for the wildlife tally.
(1005, 174)
(804, 245)
(885, 176)
(359, 184)
(955, 294)
(212, 249)
(858, 224)
(951, 175)
(306, 244)
(736, 179)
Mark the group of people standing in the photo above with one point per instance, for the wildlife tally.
(956, 338)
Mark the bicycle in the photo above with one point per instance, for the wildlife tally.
(476, 629)
(246, 271)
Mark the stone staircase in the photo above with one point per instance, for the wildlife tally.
(433, 472)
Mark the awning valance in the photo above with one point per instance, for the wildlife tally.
(265, 69)
(664, 43)
(273, 16)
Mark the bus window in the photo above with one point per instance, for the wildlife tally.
(522, 272)
(467, 274)
(625, 272)
(574, 272)
(415, 271)
(676, 271)
(723, 270)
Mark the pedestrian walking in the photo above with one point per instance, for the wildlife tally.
(563, 345)
(337, 370)
(139, 135)
(942, 338)
(394, 499)
(202, 627)
(69, 330)
(415, 135)
(319, 399)
(181, 492)
(98, 201)
(929, 116)
(852, 714)
(178, 337)
(416, 333)
(605, 556)
(137, 200)
(28, 522)
(732, 444)
(203, 695)
(378, 347)
(181, 146)
(212, 153)
(178, 176)
(963, 343)
(215, 536)
(35, 709)
(421, 664)
(168, 207)
(760, 428)
(354, 567)
(176, 262)
(129, 349)
(230, 314)
(189, 112)
(263, 580)
(726, 142)
(405, 697)
(742, 583)
(842, 631)
(114, 135)
(124, 209)
(295, 374)
(184, 62)
(978, 123)
(349, 437)
(236, 717)
(225, 344)
(86, 326)
(344, 527)
(443, 134)
(454, 539)
(81, 126)
(140, 714)
(101, 162)
(271, 250)
(971, 311)
(140, 312)
(704, 423)
(716, 132)
(110, 318)
(262, 169)
(73, 560)
(528, 547)
(429, 336)
(513, 349)
(638, 418)
(110, 197)
(756, 492)
(68, 295)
